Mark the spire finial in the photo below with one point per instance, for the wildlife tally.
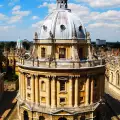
(62, 4)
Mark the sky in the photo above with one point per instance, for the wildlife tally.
(22, 18)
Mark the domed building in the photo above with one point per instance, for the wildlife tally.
(61, 80)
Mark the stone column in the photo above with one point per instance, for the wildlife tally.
(20, 84)
(32, 89)
(53, 93)
(24, 89)
(87, 91)
(100, 87)
(76, 92)
(92, 90)
(70, 92)
(48, 92)
(89, 52)
(36, 89)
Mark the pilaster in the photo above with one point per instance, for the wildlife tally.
(32, 88)
(76, 91)
(92, 89)
(70, 92)
(53, 92)
(37, 89)
(48, 91)
(87, 91)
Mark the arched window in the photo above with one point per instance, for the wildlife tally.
(43, 86)
(111, 77)
(62, 85)
(82, 117)
(26, 115)
(117, 78)
(28, 81)
(41, 118)
(62, 118)
(43, 52)
(80, 28)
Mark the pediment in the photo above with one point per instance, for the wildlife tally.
(62, 112)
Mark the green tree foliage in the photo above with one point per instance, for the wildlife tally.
(26, 45)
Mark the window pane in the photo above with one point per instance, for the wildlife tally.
(62, 53)
(43, 52)
(62, 86)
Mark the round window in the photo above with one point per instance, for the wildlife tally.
(80, 28)
(62, 27)
(44, 27)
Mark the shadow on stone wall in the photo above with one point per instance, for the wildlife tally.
(7, 102)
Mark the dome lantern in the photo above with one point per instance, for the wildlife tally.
(62, 4)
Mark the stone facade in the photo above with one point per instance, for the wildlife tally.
(113, 76)
(60, 81)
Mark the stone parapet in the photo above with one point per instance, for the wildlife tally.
(69, 64)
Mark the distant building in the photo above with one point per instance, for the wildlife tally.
(1, 85)
(100, 42)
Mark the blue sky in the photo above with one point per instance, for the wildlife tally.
(21, 18)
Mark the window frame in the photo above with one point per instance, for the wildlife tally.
(43, 52)
(61, 103)
(42, 87)
(64, 86)
(62, 56)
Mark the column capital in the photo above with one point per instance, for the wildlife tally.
(32, 75)
(53, 77)
(48, 76)
(77, 76)
(36, 75)
(71, 76)
(21, 72)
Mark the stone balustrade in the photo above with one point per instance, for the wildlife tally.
(69, 64)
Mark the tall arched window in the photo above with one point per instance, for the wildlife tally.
(43, 86)
(26, 115)
(28, 81)
(117, 78)
(62, 85)
(111, 77)
(43, 52)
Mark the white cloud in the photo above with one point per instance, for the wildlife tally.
(14, 19)
(12, 2)
(109, 25)
(3, 17)
(17, 14)
(16, 11)
(37, 25)
(102, 3)
(35, 17)
(16, 8)
(45, 4)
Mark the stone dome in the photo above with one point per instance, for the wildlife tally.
(62, 24)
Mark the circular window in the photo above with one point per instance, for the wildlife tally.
(62, 27)
(80, 28)
(44, 27)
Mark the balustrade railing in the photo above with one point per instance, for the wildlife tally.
(61, 63)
